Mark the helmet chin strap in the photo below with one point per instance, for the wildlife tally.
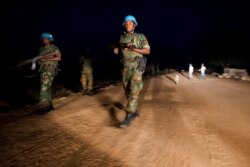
(131, 32)
(126, 32)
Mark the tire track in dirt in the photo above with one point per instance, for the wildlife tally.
(97, 132)
(175, 129)
(27, 144)
(181, 145)
(218, 152)
(162, 127)
(64, 115)
(119, 141)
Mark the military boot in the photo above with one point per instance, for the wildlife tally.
(90, 93)
(50, 107)
(43, 108)
(136, 114)
(84, 92)
(129, 117)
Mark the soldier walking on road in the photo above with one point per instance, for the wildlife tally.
(49, 68)
(132, 46)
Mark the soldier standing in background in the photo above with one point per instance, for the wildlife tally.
(87, 73)
(132, 46)
(202, 70)
(190, 71)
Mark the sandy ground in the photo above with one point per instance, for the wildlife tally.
(198, 123)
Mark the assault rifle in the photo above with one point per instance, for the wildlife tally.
(141, 61)
(127, 45)
(33, 60)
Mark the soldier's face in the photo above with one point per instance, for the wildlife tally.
(45, 41)
(129, 26)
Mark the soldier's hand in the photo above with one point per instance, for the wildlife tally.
(116, 51)
(131, 47)
(41, 60)
(24, 61)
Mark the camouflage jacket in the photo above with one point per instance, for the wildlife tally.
(86, 62)
(136, 39)
(49, 49)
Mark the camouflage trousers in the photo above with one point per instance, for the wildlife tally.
(46, 83)
(132, 84)
(87, 79)
(47, 75)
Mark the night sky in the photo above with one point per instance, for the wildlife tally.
(179, 32)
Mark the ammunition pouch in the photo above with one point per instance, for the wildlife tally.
(141, 64)
(51, 68)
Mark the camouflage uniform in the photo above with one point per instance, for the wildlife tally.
(47, 73)
(87, 74)
(131, 76)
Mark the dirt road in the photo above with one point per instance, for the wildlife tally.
(198, 123)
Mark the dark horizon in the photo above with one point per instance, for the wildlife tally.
(178, 32)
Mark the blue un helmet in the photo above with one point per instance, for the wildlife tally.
(130, 18)
(47, 35)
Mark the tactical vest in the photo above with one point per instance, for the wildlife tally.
(136, 39)
(49, 66)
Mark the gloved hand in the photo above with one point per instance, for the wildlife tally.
(33, 67)
(131, 47)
